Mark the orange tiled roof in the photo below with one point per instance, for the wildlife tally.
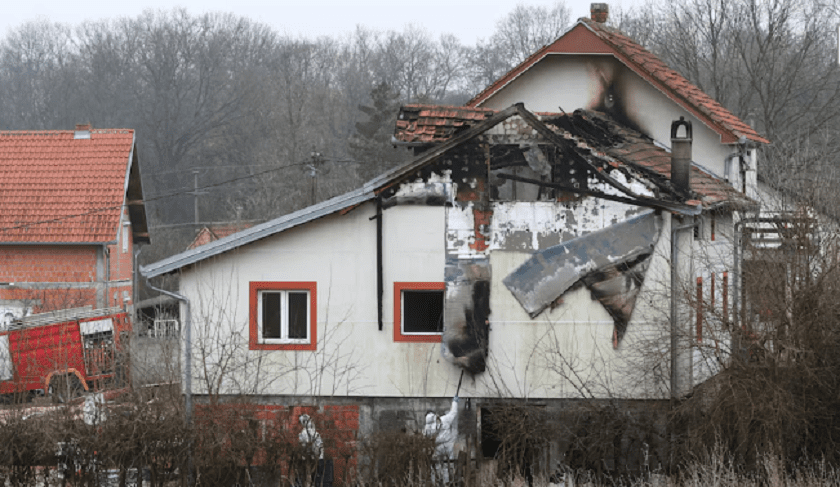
(57, 189)
(589, 37)
(434, 123)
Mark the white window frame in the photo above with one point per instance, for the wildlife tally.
(284, 318)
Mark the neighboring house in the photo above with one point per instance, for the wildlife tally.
(547, 254)
(71, 211)
(214, 232)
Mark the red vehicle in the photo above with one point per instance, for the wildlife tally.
(63, 353)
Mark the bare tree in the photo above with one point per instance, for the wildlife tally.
(528, 28)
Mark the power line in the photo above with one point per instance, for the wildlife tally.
(156, 198)
(334, 160)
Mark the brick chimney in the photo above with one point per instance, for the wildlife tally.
(599, 12)
(82, 131)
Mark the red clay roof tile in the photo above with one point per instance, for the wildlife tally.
(58, 189)
(431, 123)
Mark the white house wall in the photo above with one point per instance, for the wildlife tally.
(571, 82)
(355, 358)
(339, 253)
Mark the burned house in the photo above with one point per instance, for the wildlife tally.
(540, 254)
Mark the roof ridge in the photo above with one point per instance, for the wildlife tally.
(532, 58)
(453, 107)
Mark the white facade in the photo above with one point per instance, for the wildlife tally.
(567, 82)
(566, 352)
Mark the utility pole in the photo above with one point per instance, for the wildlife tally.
(196, 193)
(314, 167)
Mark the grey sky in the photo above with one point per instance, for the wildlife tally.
(469, 20)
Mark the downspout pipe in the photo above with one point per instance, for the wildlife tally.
(379, 272)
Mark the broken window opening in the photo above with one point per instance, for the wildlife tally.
(422, 312)
(540, 163)
(99, 352)
(418, 311)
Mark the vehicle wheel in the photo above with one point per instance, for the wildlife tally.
(64, 388)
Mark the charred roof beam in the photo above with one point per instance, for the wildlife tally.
(559, 141)
(637, 201)
(396, 176)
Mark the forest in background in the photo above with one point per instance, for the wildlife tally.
(263, 124)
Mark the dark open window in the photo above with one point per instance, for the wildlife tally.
(422, 312)
(418, 311)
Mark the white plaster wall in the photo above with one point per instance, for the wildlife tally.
(571, 82)
(565, 352)
(353, 356)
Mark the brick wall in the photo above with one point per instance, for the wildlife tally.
(338, 426)
(45, 263)
(43, 300)
(38, 271)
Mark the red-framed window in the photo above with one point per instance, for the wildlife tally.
(418, 311)
(283, 315)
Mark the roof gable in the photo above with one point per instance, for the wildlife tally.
(590, 37)
(61, 189)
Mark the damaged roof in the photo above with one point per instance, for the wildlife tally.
(588, 130)
(640, 151)
(591, 37)
(69, 187)
(433, 123)
(586, 135)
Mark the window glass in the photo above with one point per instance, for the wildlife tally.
(271, 327)
(298, 304)
(422, 311)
